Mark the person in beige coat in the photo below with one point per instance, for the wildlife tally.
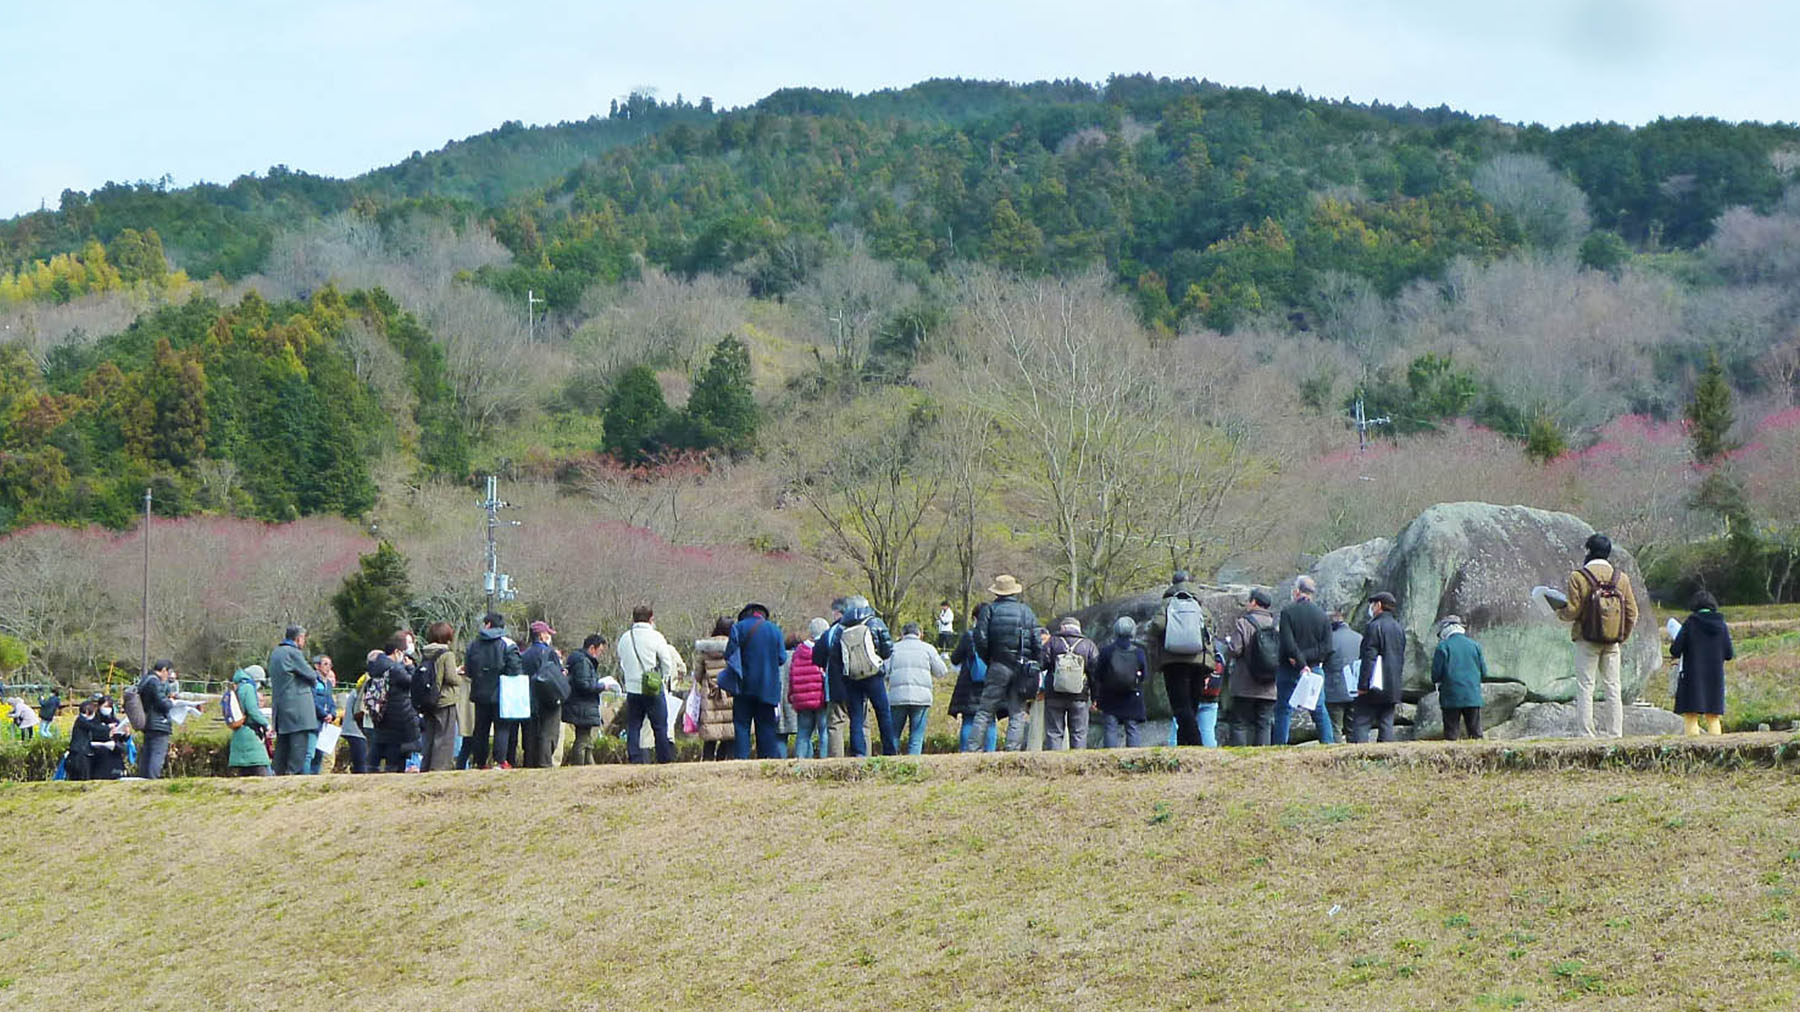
(443, 722)
(716, 723)
(1598, 650)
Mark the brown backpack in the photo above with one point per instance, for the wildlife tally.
(1603, 613)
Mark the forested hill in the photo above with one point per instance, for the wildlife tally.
(1213, 202)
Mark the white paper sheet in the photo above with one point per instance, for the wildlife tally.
(328, 739)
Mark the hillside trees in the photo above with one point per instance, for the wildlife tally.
(374, 602)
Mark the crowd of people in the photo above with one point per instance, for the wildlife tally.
(749, 689)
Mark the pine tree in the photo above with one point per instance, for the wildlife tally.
(1710, 415)
(635, 416)
(1544, 441)
(373, 602)
(722, 411)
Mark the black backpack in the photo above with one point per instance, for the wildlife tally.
(1122, 670)
(1264, 653)
(549, 683)
(425, 688)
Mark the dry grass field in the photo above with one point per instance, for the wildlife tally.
(1657, 874)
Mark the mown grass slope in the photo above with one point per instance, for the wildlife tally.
(1657, 874)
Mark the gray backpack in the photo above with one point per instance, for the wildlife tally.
(1185, 631)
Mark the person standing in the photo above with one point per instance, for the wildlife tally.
(491, 656)
(1601, 612)
(756, 652)
(1121, 668)
(357, 725)
(106, 747)
(582, 711)
(911, 673)
(1305, 643)
(544, 664)
(1069, 659)
(859, 644)
(397, 729)
(647, 664)
(1346, 652)
(1702, 646)
(1179, 643)
(1384, 640)
(88, 730)
(837, 707)
(445, 675)
(946, 627)
(1458, 667)
(1005, 638)
(325, 705)
(808, 694)
(153, 695)
(718, 727)
(1255, 648)
(291, 696)
(248, 755)
(971, 677)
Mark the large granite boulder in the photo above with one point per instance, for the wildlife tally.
(1558, 720)
(1346, 577)
(1480, 561)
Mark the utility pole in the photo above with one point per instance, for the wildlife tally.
(144, 654)
(531, 304)
(1363, 424)
(498, 585)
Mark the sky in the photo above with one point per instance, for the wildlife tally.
(198, 90)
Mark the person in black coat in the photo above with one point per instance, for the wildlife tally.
(1305, 643)
(1006, 638)
(1384, 639)
(396, 734)
(582, 709)
(1119, 686)
(1703, 646)
(107, 741)
(89, 728)
(965, 697)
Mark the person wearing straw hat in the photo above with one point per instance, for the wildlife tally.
(1005, 636)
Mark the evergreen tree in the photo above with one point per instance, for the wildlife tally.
(373, 602)
(1709, 414)
(1544, 441)
(722, 411)
(635, 416)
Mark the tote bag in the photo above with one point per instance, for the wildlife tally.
(515, 697)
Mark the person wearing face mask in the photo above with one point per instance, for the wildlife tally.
(1383, 640)
(106, 751)
(89, 728)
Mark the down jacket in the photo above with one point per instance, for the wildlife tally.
(912, 672)
(715, 703)
(806, 680)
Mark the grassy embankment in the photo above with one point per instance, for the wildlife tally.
(1654, 875)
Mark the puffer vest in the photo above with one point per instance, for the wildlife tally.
(806, 680)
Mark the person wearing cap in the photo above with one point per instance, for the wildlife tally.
(492, 655)
(541, 730)
(1458, 667)
(1005, 637)
(249, 755)
(1383, 640)
(1305, 643)
(1252, 695)
(754, 653)
(1598, 653)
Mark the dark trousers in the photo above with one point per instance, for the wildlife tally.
(1340, 718)
(76, 767)
(541, 733)
(359, 755)
(475, 744)
(1372, 710)
(1184, 682)
(872, 690)
(390, 756)
(154, 754)
(1252, 720)
(506, 739)
(1467, 716)
(654, 707)
(440, 739)
(748, 715)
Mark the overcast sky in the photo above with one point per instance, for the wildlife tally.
(128, 90)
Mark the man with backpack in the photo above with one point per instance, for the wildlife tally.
(549, 687)
(754, 653)
(1006, 638)
(855, 648)
(1070, 658)
(1120, 669)
(1383, 674)
(1255, 648)
(291, 679)
(490, 657)
(1179, 645)
(153, 696)
(1602, 611)
(1305, 645)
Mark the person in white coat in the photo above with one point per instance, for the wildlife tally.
(911, 674)
(648, 664)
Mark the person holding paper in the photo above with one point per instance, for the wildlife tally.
(1305, 643)
(1601, 611)
(1383, 674)
(1458, 668)
(1703, 646)
(1252, 676)
(249, 757)
(1340, 671)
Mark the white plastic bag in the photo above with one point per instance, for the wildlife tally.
(1306, 691)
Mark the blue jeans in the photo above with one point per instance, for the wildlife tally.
(912, 718)
(765, 720)
(870, 690)
(968, 731)
(812, 722)
(1285, 681)
(1209, 724)
(1116, 731)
